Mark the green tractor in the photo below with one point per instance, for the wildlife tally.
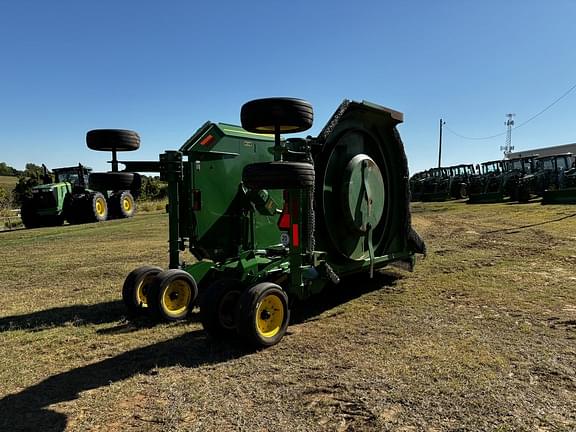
(417, 185)
(564, 191)
(272, 221)
(445, 183)
(548, 175)
(500, 179)
(485, 185)
(78, 195)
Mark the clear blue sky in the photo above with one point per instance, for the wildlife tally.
(163, 68)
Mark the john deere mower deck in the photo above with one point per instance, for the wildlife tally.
(270, 220)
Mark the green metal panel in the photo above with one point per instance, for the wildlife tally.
(224, 226)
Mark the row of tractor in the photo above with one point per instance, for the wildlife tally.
(553, 178)
(78, 195)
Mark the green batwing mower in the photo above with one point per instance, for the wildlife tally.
(272, 221)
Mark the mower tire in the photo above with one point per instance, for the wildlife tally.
(283, 115)
(115, 181)
(171, 295)
(218, 305)
(263, 314)
(135, 288)
(112, 140)
(278, 175)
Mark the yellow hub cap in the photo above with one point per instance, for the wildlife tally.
(100, 206)
(176, 297)
(127, 204)
(269, 315)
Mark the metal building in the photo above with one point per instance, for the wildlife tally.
(545, 151)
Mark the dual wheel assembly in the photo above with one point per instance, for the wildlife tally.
(166, 295)
(258, 314)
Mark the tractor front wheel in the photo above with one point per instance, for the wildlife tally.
(28, 215)
(135, 289)
(263, 315)
(171, 295)
(218, 307)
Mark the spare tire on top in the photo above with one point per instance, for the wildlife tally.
(113, 140)
(289, 115)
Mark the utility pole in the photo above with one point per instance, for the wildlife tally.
(440, 144)
(508, 147)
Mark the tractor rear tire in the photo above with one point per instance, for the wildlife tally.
(263, 314)
(218, 308)
(115, 181)
(112, 140)
(135, 289)
(278, 175)
(171, 295)
(287, 115)
(122, 205)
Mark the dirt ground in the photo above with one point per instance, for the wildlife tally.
(480, 337)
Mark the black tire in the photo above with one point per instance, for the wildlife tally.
(171, 295)
(263, 314)
(28, 215)
(218, 305)
(122, 205)
(135, 289)
(278, 175)
(462, 191)
(288, 114)
(112, 140)
(114, 181)
(96, 208)
(74, 209)
(523, 194)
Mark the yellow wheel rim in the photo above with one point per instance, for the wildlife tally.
(141, 292)
(127, 204)
(100, 206)
(269, 316)
(176, 297)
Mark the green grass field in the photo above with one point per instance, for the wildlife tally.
(481, 337)
(7, 183)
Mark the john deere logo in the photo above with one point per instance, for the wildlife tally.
(285, 239)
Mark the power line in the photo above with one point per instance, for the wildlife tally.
(473, 138)
(538, 114)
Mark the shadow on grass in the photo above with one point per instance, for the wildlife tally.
(349, 288)
(29, 407)
(516, 229)
(68, 315)
(190, 350)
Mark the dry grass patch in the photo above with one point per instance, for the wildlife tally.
(480, 337)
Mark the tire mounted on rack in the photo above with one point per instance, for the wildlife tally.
(113, 140)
